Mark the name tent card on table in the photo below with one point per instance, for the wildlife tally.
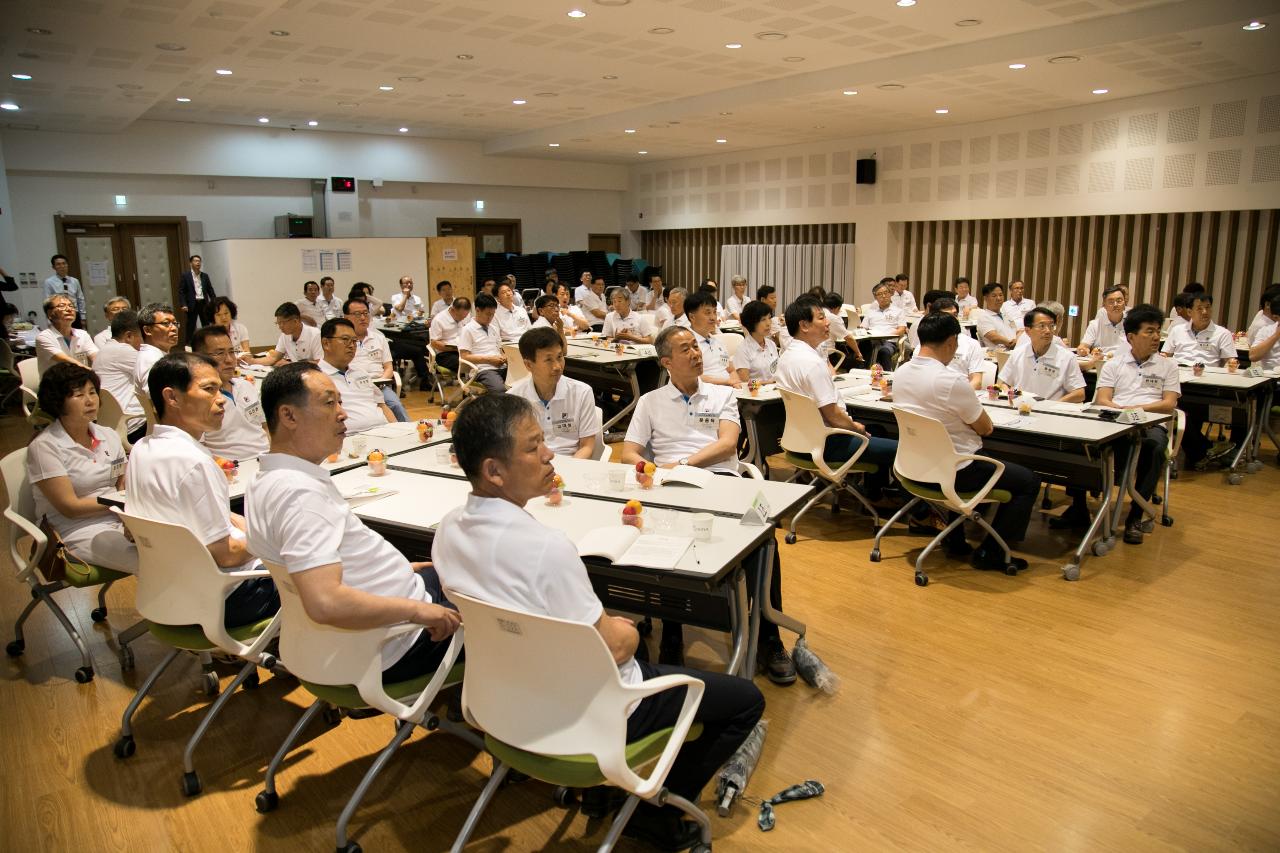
(758, 513)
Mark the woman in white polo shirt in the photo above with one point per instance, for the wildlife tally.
(224, 315)
(757, 355)
(71, 463)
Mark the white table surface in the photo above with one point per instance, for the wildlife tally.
(723, 496)
(581, 348)
(1084, 429)
(1219, 377)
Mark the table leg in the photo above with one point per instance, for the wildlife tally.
(753, 440)
(627, 409)
(1100, 526)
(1266, 421)
(765, 606)
(1125, 486)
(1245, 444)
(742, 638)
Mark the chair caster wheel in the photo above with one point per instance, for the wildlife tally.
(875, 555)
(1100, 548)
(125, 747)
(331, 714)
(190, 784)
(351, 847)
(16, 648)
(700, 848)
(210, 684)
(1253, 467)
(266, 801)
(1071, 572)
(98, 614)
(126, 659)
(922, 579)
(84, 674)
(791, 539)
(251, 682)
(1235, 478)
(1157, 500)
(564, 797)
(1167, 521)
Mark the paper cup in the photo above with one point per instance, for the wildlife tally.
(702, 522)
(617, 479)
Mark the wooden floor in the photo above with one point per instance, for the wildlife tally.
(1138, 709)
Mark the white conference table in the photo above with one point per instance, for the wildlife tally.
(1254, 394)
(590, 361)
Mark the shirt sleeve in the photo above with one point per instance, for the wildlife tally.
(1012, 374)
(310, 536)
(640, 430)
(1108, 375)
(47, 342)
(1091, 334)
(1226, 345)
(1172, 378)
(610, 325)
(43, 461)
(1171, 342)
(1074, 377)
(589, 422)
(206, 501)
(566, 588)
(961, 396)
(729, 411)
(87, 344)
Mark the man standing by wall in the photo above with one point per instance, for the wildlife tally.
(64, 284)
(195, 295)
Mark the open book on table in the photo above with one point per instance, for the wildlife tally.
(685, 475)
(626, 546)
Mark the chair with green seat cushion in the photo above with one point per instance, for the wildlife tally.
(925, 466)
(343, 668)
(566, 725)
(804, 439)
(79, 575)
(182, 592)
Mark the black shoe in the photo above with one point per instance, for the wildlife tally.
(1133, 533)
(957, 547)
(1074, 518)
(363, 713)
(602, 800)
(662, 829)
(988, 560)
(671, 654)
(776, 664)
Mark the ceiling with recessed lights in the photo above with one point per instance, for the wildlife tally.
(572, 80)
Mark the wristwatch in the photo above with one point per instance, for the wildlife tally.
(683, 461)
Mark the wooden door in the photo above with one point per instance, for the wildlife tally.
(452, 259)
(492, 236)
(604, 243)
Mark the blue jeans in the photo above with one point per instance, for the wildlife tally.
(881, 451)
(393, 403)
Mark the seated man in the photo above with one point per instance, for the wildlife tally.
(309, 308)
(769, 296)
(117, 367)
(965, 300)
(547, 312)
(172, 478)
(1182, 303)
(1042, 367)
(241, 435)
(493, 550)
(970, 357)
(571, 315)
(671, 311)
(1264, 343)
(406, 306)
(373, 354)
(691, 422)
(361, 399)
(592, 302)
(1139, 379)
(930, 297)
(114, 306)
(566, 408)
(444, 294)
(637, 293)
(583, 289)
(1015, 308)
(994, 331)
(801, 370)
(837, 332)
(700, 308)
(1105, 333)
(926, 387)
(624, 324)
(1259, 318)
(60, 341)
(297, 342)
(884, 318)
(902, 296)
(330, 305)
(346, 575)
(1203, 341)
(159, 327)
(481, 344)
(738, 299)
(512, 319)
(446, 328)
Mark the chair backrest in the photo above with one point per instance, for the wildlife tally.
(29, 370)
(515, 364)
(999, 356)
(866, 308)
(111, 416)
(988, 372)
(602, 451)
(148, 410)
(21, 512)
(730, 341)
(805, 431)
(925, 451)
(6, 357)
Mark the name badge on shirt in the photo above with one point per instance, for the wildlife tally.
(253, 411)
(563, 426)
(82, 357)
(1047, 369)
(117, 467)
(704, 420)
(363, 383)
(1153, 382)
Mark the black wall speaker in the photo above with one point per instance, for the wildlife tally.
(866, 171)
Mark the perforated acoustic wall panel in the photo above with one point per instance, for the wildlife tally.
(689, 255)
(1073, 258)
(791, 269)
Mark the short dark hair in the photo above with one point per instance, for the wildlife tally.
(175, 370)
(307, 284)
(285, 386)
(992, 286)
(544, 300)
(708, 287)
(933, 296)
(1185, 300)
(287, 309)
(937, 328)
(1193, 287)
(327, 278)
(902, 277)
(360, 290)
(193, 257)
(833, 302)
(442, 284)
(60, 381)
(1274, 304)
(1140, 314)
(888, 280)
(1029, 318)
(1205, 297)
(462, 303)
(123, 323)
(1271, 291)
(54, 259)
(799, 312)
(147, 316)
(764, 290)
(9, 308)
(752, 313)
(534, 340)
(879, 286)
(484, 430)
(199, 340)
(1115, 288)
(231, 306)
(633, 277)
(652, 274)
(330, 327)
(960, 279)
(697, 300)
(943, 303)
(484, 301)
(346, 306)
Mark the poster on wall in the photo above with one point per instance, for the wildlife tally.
(344, 259)
(450, 255)
(328, 262)
(310, 260)
(494, 243)
(99, 273)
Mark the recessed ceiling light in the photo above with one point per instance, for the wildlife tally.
(1253, 26)
(661, 31)
(850, 91)
(968, 22)
(609, 77)
(733, 45)
(28, 54)
(942, 111)
(721, 141)
(312, 123)
(576, 13)
(8, 105)
(308, 79)
(409, 79)
(20, 76)
(169, 45)
(39, 31)
(404, 130)
(465, 57)
(771, 36)
(726, 114)
(905, 3)
(819, 126)
(183, 100)
(223, 72)
(519, 102)
(611, 2)
(891, 87)
(263, 119)
(642, 152)
(1101, 91)
(386, 88)
(1017, 66)
(279, 33)
(553, 144)
(793, 59)
(629, 130)
(129, 87)
(1064, 58)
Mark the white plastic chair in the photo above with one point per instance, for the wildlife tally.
(515, 364)
(565, 725)
(804, 439)
(730, 341)
(9, 374)
(343, 668)
(148, 410)
(989, 369)
(182, 591)
(927, 456)
(111, 416)
(21, 515)
(1170, 473)
(29, 371)
(602, 451)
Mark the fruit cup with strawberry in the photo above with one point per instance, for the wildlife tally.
(632, 513)
(644, 474)
(556, 495)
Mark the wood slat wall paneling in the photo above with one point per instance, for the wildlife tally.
(1072, 259)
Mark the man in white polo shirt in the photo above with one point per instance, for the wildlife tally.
(62, 342)
(114, 306)
(884, 318)
(583, 289)
(1200, 339)
(671, 311)
(902, 296)
(592, 302)
(1015, 308)
(1105, 332)
(1264, 343)
(993, 328)
(117, 366)
(444, 298)
(360, 397)
(159, 327)
(241, 435)
(637, 293)
(446, 328)
(297, 342)
(547, 315)
(1138, 378)
(965, 300)
(492, 549)
(346, 575)
(311, 310)
(406, 306)
(373, 354)
(837, 331)
(623, 323)
(700, 308)
(481, 344)
(171, 477)
(1043, 367)
(510, 316)
(925, 386)
(566, 408)
(328, 301)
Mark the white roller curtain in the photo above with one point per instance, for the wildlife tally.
(791, 269)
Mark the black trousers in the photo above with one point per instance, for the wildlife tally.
(425, 654)
(195, 312)
(1013, 517)
(252, 601)
(415, 351)
(1194, 442)
(880, 352)
(448, 360)
(729, 710)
